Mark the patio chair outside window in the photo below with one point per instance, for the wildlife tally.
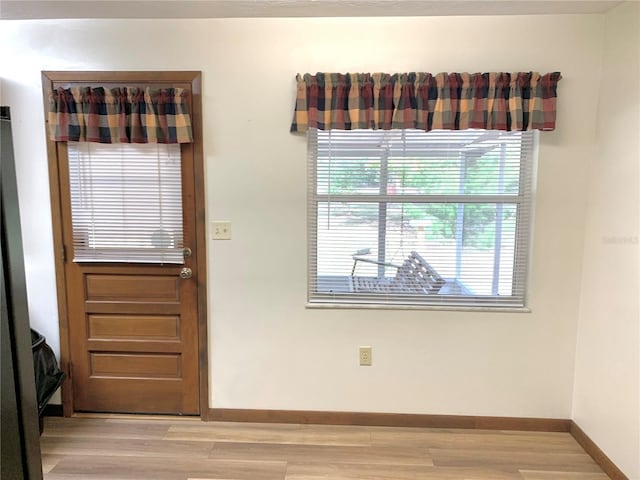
(415, 276)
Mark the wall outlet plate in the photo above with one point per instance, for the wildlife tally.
(365, 356)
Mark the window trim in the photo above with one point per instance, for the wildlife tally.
(521, 258)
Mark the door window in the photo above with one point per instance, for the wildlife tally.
(126, 202)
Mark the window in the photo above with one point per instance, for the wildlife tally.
(406, 217)
(126, 202)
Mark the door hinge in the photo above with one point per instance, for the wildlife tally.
(63, 253)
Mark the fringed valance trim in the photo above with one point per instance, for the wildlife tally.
(448, 101)
(119, 115)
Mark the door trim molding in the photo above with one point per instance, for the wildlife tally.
(193, 78)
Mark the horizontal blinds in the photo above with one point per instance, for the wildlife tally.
(459, 201)
(126, 202)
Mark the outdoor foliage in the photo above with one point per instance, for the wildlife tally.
(448, 176)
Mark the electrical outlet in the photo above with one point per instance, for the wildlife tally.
(365, 356)
(221, 230)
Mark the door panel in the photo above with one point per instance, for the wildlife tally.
(135, 365)
(135, 288)
(133, 328)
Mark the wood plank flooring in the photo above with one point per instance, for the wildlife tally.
(133, 448)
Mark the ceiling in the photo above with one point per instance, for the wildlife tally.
(52, 9)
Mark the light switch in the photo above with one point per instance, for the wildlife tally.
(221, 230)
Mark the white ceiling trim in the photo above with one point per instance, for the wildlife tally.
(58, 9)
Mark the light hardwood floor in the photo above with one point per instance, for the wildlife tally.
(119, 447)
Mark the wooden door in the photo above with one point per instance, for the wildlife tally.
(133, 329)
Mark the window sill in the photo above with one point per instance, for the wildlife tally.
(454, 308)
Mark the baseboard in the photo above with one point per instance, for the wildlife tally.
(420, 420)
(388, 419)
(52, 411)
(598, 455)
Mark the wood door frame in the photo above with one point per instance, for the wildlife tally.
(49, 79)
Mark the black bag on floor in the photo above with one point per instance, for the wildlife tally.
(48, 375)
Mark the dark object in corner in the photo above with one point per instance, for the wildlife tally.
(53, 410)
(20, 450)
(48, 375)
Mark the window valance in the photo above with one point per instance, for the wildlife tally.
(119, 115)
(448, 101)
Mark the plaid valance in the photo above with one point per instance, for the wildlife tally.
(448, 101)
(119, 115)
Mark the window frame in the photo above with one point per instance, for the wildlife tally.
(524, 201)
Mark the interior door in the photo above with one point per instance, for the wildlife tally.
(133, 327)
(133, 330)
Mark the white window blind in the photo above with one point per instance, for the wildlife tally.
(419, 218)
(126, 202)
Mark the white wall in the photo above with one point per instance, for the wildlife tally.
(267, 350)
(607, 387)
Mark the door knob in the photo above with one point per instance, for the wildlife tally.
(186, 273)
